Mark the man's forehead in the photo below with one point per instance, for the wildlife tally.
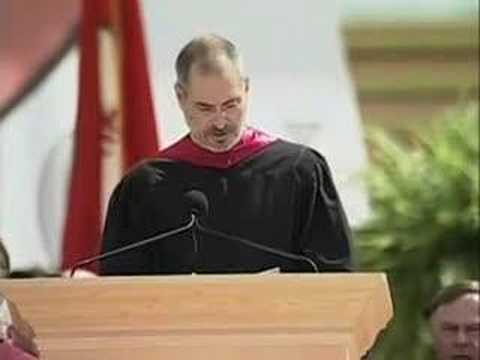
(215, 88)
(219, 65)
(466, 307)
(198, 77)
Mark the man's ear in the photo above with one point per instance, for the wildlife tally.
(246, 81)
(179, 92)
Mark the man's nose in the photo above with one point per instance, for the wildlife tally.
(462, 337)
(219, 120)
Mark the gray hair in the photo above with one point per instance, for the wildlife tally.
(206, 51)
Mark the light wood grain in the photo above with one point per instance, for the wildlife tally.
(294, 316)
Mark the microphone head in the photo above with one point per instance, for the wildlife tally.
(197, 202)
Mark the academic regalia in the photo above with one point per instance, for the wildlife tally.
(266, 190)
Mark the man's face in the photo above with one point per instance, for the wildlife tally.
(456, 329)
(215, 106)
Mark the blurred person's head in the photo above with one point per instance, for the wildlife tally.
(212, 92)
(454, 316)
(4, 261)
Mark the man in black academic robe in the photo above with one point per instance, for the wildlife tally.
(275, 193)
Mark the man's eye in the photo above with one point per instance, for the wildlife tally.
(204, 109)
(232, 105)
(474, 328)
(449, 328)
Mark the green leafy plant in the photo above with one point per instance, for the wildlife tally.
(424, 229)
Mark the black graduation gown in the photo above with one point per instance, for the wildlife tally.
(283, 197)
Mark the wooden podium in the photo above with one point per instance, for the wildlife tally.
(227, 317)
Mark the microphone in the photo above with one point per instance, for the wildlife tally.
(198, 204)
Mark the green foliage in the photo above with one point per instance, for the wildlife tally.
(424, 231)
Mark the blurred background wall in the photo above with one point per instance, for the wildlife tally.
(411, 60)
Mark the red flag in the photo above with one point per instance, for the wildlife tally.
(82, 232)
(139, 128)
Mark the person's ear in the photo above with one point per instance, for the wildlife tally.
(246, 82)
(180, 93)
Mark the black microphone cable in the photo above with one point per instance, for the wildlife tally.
(141, 243)
(257, 246)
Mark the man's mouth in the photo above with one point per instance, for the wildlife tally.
(462, 357)
(220, 136)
